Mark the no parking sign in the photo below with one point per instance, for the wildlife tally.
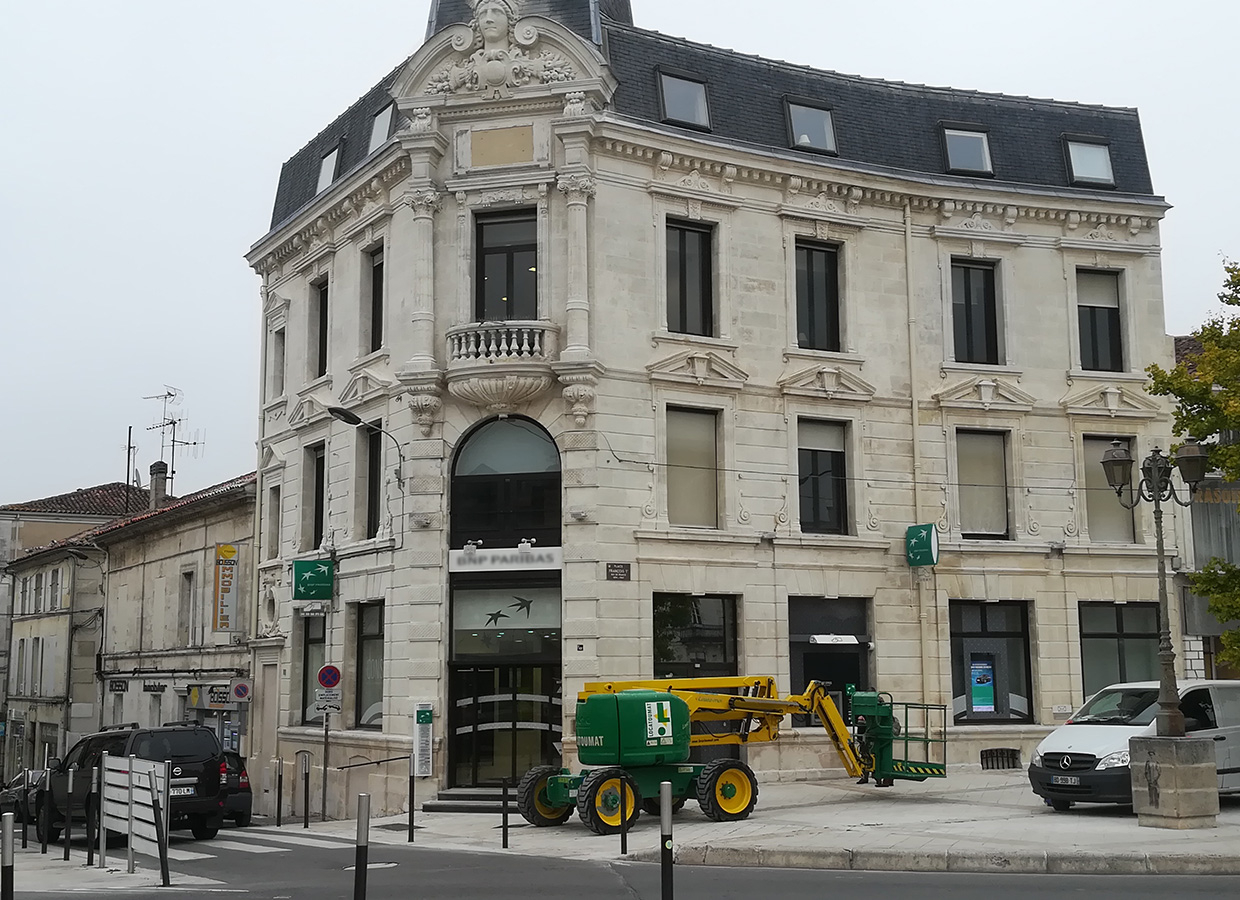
(242, 690)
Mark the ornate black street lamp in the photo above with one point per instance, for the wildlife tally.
(1156, 487)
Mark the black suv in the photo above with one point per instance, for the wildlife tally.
(199, 775)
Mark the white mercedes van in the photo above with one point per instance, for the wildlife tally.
(1086, 760)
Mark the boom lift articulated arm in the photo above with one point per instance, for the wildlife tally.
(751, 702)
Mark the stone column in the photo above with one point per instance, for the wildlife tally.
(1174, 782)
(577, 190)
(424, 203)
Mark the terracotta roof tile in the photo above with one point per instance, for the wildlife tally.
(101, 500)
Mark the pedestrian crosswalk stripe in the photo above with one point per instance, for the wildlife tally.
(298, 840)
(245, 848)
(187, 855)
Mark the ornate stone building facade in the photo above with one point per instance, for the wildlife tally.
(668, 347)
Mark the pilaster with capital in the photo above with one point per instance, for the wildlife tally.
(577, 189)
(423, 203)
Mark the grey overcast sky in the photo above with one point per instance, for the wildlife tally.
(142, 140)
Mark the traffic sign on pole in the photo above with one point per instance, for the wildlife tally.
(329, 677)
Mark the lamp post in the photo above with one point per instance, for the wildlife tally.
(340, 414)
(1156, 487)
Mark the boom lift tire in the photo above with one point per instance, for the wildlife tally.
(532, 799)
(727, 790)
(652, 807)
(598, 800)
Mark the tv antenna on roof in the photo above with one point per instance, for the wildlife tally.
(169, 421)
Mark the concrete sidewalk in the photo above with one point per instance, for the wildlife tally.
(36, 873)
(973, 821)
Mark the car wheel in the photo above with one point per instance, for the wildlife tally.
(1061, 805)
(201, 830)
(43, 825)
(242, 819)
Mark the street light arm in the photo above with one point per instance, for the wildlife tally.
(400, 456)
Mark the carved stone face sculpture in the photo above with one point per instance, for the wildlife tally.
(492, 21)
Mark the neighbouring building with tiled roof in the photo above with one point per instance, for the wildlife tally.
(658, 350)
(34, 523)
(130, 621)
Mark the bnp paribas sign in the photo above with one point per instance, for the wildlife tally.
(505, 559)
(921, 545)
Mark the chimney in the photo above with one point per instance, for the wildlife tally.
(159, 483)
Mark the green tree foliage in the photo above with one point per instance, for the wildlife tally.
(1206, 386)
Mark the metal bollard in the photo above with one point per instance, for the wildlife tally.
(68, 835)
(6, 857)
(45, 810)
(505, 828)
(130, 833)
(279, 792)
(305, 791)
(624, 818)
(363, 847)
(412, 791)
(93, 799)
(103, 808)
(25, 805)
(665, 837)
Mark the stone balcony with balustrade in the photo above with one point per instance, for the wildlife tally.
(500, 365)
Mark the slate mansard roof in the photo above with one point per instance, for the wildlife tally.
(879, 125)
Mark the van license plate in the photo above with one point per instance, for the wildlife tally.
(181, 792)
(1066, 779)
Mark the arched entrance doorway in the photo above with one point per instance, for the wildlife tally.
(505, 709)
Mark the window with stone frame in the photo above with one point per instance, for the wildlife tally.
(313, 658)
(320, 328)
(982, 485)
(818, 296)
(822, 476)
(1119, 642)
(692, 467)
(507, 267)
(373, 287)
(991, 675)
(690, 278)
(314, 496)
(975, 313)
(1106, 518)
(369, 655)
(1098, 314)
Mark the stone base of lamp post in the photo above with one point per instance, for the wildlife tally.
(1174, 782)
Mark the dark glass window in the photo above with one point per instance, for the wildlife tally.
(318, 496)
(1097, 296)
(321, 329)
(812, 128)
(694, 637)
(684, 101)
(990, 662)
(370, 665)
(974, 314)
(690, 292)
(374, 480)
(967, 151)
(1119, 642)
(507, 267)
(313, 658)
(376, 301)
(841, 661)
(823, 478)
(818, 297)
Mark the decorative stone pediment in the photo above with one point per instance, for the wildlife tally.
(703, 368)
(364, 385)
(275, 310)
(308, 410)
(271, 461)
(985, 393)
(1112, 401)
(832, 382)
(502, 53)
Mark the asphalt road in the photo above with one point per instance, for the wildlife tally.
(287, 871)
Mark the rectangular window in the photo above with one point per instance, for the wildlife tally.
(818, 297)
(375, 337)
(313, 658)
(694, 637)
(380, 128)
(21, 666)
(38, 592)
(967, 151)
(319, 329)
(274, 514)
(1119, 642)
(327, 170)
(53, 592)
(692, 468)
(372, 443)
(990, 662)
(25, 604)
(823, 477)
(975, 314)
(811, 127)
(186, 632)
(1105, 516)
(507, 267)
(36, 666)
(370, 665)
(841, 659)
(981, 469)
(684, 101)
(276, 382)
(690, 291)
(1097, 301)
(1090, 163)
(314, 496)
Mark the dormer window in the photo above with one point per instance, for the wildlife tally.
(684, 101)
(327, 170)
(380, 128)
(811, 128)
(1089, 162)
(968, 151)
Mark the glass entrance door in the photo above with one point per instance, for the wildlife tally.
(505, 719)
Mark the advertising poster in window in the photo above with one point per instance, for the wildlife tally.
(227, 568)
(982, 683)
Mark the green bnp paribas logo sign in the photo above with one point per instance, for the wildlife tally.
(312, 579)
(921, 545)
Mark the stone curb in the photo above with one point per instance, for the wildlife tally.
(1018, 862)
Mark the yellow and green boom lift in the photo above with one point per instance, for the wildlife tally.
(633, 735)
